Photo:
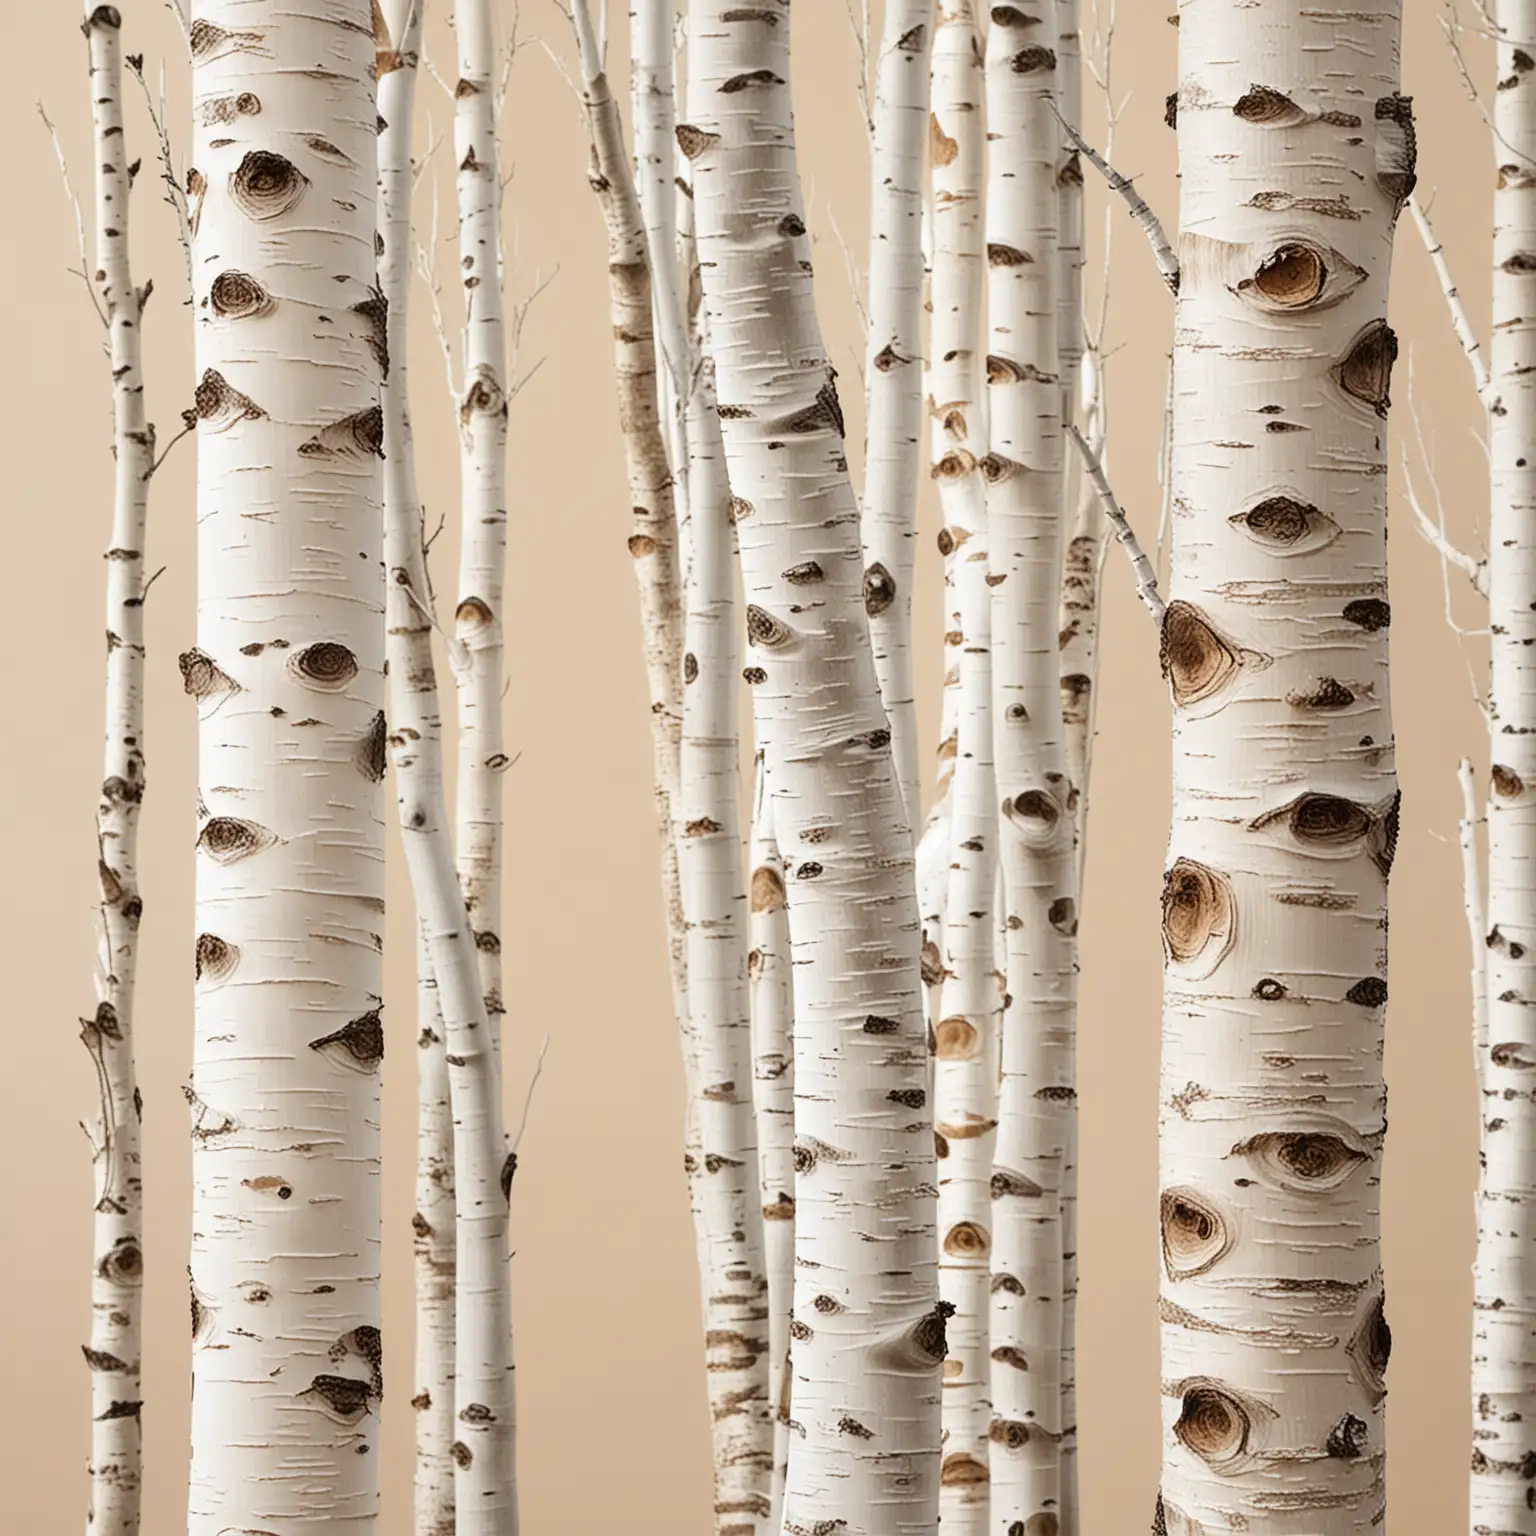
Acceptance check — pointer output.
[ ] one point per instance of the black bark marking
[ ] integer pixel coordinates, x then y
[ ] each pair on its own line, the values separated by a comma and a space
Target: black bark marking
266, 185
1196, 1236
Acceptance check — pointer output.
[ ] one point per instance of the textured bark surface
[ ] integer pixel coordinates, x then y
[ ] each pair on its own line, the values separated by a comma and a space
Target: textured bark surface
1036, 834
1504, 1328
117, 1254
893, 368
868, 1337
416, 746
288, 677
965, 1069
1296, 154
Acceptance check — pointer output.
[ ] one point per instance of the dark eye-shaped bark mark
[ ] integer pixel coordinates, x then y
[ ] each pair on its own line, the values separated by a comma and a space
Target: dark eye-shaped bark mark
122, 1263
1285, 526
1007, 256
472, 617
1330, 825
326, 666
1007, 1185
1303, 1162
956, 1039
740, 509
370, 755
1035, 60
375, 310
1197, 661
695, 141
1062, 916
357, 437
238, 296
879, 590
1368, 992
219, 405
1035, 813
207, 41
203, 678
226, 109
1370, 1348
266, 186
962, 1470
768, 894
1369, 613
1299, 275
341, 1398
1365, 371
810, 1150
1199, 915
367, 1344
1010, 1434
1328, 693
1397, 149
1266, 107
484, 397
1507, 784
358, 1045
806, 574
1196, 1236
463, 1457
1348, 1438
967, 1240
214, 959
1215, 1422
228, 839
765, 630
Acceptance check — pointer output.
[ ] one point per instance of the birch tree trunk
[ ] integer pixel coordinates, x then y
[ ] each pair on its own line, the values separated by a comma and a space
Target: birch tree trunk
117, 1255
1503, 1358
893, 369
416, 745
1024, 511
771, 994
965, 1085
1296, 153
288, 674
868, 1337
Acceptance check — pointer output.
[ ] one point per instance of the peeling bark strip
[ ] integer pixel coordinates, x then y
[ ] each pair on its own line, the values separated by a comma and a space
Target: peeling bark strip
698, 788
1503, 1374
290, 868
1024, 471
113, 1352
1275, 906
868, 1337
893, 371
965, 1069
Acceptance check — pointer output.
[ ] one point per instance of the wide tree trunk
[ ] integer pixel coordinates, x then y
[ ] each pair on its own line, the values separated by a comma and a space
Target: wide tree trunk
965, 1082
1296, 153
288, 675
1503, 1357
868, 1337
117, 1253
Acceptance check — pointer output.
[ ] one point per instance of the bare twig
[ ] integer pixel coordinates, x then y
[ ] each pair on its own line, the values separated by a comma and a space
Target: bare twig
83, 271
175, 187
1477, 921
1146, 577
1461, 322
533, 1082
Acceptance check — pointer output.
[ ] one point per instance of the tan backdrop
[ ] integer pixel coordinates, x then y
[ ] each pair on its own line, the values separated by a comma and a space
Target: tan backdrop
614, 1431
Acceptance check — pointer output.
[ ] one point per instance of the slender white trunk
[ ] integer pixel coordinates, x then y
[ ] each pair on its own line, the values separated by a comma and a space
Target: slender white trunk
288, 674
117, 1256
1024, 510
771, 993
868, 1336
965, 1083
894, 369
1503, 1359
1296, 154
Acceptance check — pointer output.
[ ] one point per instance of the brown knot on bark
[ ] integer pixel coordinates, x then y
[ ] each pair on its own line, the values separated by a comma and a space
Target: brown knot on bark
228, 839
1303, 1162
956, 1039
266, 185
1370, 613
1397, 148
1006, 1185
214, 958
1199, 914
1365, 371
202, 677
1195, 1234
219, 405
1370, 1348
238, 296
765, 630
1287, 526
326, 665
343, 1397
967, 1240
357, 437
358, 1044
1197, 661
1264, 106
1215, 1422
374, 310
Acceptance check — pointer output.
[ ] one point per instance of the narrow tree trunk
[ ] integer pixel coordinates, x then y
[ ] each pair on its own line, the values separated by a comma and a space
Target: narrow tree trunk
288, 674
893, 369
417, 747
965, 1084
1503, 1360
868, 1337
772, 1000
117, 1256
1296, 153
1024, 511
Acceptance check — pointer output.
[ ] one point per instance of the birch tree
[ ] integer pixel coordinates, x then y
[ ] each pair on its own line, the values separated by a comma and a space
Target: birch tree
287, 672
1296, 153
1025, 530
117, 1252
867, 1337
893, 368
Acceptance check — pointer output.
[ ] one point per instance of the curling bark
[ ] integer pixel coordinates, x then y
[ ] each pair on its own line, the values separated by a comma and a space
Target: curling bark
965, 1084
288, 675
117, 1254
894, 370
1285, 816
868, 1339
1024, 472
1503, 1362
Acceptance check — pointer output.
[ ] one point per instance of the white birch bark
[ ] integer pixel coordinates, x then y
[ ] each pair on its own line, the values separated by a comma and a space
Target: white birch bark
771, 995
868, 1328
483, 406
1024, 510
1503, 1357
1296, 154
117, 1254
893, 369
965, 1083
288, 674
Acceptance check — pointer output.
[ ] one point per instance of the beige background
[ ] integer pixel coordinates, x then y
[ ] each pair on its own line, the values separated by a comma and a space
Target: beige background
613, 1422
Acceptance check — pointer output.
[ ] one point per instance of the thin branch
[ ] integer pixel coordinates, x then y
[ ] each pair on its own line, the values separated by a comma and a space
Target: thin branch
188, 428
1146, 577
175, 188
1140, 211
1477, 920
858, 24
855, 286
83, 271
538, 1072
1461, 322
1434, 534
